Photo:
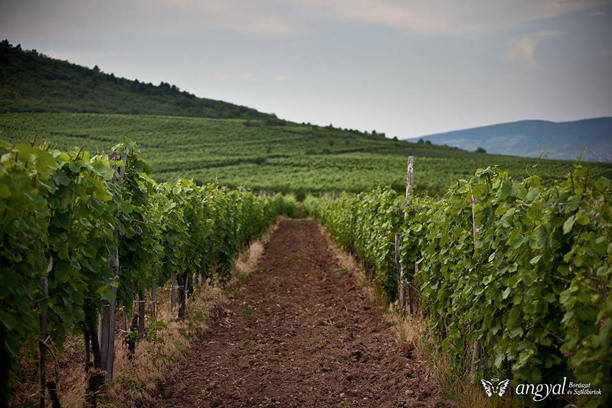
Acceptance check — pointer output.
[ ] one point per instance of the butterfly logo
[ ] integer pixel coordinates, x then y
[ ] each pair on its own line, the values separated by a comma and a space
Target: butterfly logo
495, 386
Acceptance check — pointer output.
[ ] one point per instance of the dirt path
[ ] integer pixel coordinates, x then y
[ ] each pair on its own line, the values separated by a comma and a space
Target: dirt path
299, 333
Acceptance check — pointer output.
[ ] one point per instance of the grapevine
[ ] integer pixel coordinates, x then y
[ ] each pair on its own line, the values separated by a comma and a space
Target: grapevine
532, 289
65, 215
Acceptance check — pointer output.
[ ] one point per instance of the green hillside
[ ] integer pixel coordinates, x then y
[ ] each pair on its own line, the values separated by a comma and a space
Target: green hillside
32, 82
44, 99
287, 157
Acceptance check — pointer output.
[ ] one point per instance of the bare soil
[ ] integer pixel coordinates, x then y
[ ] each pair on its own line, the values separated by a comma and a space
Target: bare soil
300, 332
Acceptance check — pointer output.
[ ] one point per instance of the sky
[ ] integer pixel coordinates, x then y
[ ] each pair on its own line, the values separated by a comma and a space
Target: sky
407, 68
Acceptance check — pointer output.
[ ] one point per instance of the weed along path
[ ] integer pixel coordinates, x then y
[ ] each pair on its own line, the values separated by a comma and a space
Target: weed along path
299, 332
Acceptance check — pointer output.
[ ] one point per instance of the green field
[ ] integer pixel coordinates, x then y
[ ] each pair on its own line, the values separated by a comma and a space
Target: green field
287, 157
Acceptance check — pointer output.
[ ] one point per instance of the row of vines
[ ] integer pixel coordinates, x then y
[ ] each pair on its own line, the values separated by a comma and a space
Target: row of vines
82, 235
510, 274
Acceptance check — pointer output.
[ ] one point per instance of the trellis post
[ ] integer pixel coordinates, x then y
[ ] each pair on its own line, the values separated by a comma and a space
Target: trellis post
141, 314
474, 233
403, 272
398, 268
153, 301
107, 319
173, 293
42, 349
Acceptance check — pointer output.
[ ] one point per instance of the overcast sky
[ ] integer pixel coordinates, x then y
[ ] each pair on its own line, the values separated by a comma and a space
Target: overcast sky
407, 68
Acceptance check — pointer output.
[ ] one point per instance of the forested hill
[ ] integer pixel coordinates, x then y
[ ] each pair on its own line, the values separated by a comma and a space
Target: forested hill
33, 82
589, 138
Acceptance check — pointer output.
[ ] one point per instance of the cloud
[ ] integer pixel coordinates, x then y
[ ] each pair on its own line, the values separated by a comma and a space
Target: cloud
221, 76
467, 17
247, 76
522, 49
241, 16
281, 77
273, 18
229, 77
606, 52
145, 17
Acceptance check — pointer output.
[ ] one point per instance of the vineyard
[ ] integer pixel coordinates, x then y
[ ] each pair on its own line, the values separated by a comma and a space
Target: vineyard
221, 256
504, 273
275, 156
84, 235
513, 277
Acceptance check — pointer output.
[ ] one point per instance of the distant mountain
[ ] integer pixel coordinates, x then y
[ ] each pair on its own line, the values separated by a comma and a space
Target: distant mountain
33, 82
531, 138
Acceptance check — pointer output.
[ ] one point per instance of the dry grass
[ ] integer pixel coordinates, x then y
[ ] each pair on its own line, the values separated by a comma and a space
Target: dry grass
410, 331
67, 372
157, 356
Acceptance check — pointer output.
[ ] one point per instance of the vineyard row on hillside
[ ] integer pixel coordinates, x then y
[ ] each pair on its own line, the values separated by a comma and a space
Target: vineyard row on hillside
82, 236
513, 277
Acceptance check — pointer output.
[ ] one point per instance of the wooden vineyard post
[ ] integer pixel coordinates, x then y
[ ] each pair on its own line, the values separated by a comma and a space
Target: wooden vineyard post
173, 294
416, 300
107, 319
474, 233
402, 285
141, 315
153, 301
189, 285
335, 195
474, 359
42, 349
124, 327
401, 294
182, 281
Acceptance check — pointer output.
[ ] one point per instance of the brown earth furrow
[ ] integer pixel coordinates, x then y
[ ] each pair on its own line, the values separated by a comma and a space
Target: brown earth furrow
299, 333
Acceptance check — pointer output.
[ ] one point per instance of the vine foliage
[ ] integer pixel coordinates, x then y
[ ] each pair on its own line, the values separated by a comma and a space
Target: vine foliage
532, 289
64, 215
